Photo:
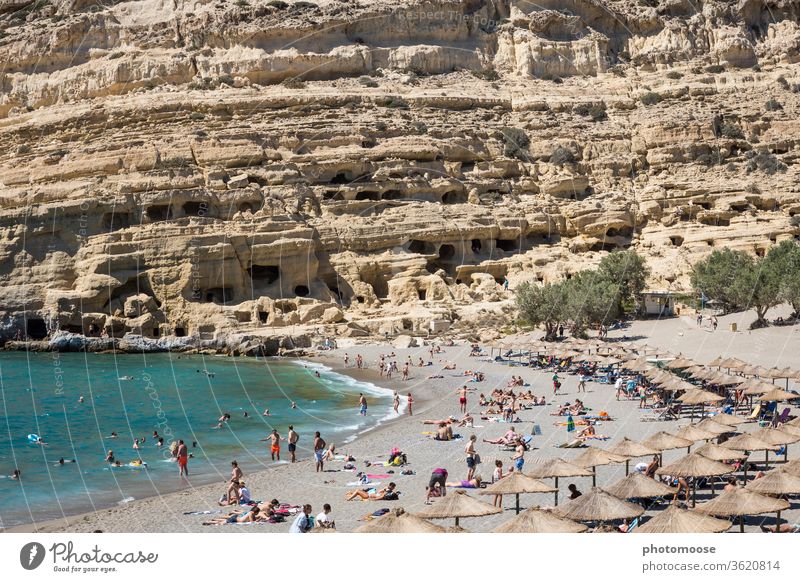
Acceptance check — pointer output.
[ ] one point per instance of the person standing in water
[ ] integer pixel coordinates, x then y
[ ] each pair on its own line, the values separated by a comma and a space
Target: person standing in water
396, 402
362, 403
410, 401
183, 458
292, 437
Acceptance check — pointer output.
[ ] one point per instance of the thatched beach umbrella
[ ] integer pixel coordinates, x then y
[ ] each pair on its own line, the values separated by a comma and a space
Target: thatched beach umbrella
638, 365
517, 483
792, 467
732, 363
631, 449
398, 521
458, 505
680, 363
740, 502
748, 442
716, 362
720, 453
664, 441
598, 505
694, 433
555, 468
536, 520
696, 396
637, 486
594, 457
725, 380
775, 436
755, 386
775, 482
777, 395
694, 465
676, 520
728, 419
714, 427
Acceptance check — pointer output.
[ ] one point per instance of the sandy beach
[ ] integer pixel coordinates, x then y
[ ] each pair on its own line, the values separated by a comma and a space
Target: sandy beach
437, 398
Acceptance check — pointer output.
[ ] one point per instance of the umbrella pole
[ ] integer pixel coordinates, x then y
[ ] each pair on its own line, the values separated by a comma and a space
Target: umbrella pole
694, 492
785, 453
556, 491
517, 503
778, 522
627, 466
766, 459
594, 476
741, 523
456, 522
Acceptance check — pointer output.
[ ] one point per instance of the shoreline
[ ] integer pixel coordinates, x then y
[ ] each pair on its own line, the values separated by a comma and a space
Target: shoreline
334, 365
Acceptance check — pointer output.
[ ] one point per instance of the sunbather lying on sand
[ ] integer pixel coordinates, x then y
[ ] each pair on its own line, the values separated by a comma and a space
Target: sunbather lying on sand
511, 436
474, 483
252, 515
387, 493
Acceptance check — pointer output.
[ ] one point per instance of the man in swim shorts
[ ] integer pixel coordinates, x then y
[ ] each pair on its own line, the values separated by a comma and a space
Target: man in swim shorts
319, 450
292, 437
519, 456
462, 399
362, 403
275, 444
183, 458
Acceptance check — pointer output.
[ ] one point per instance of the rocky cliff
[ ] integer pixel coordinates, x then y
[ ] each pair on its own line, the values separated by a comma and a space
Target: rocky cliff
196, 168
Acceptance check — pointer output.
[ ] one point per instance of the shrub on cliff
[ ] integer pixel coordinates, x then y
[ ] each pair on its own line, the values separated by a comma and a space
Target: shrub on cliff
731, 130
651, 98
561, 156
486, 74
515, 142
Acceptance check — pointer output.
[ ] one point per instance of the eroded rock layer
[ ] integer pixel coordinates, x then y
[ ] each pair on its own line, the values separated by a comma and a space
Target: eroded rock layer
198, 168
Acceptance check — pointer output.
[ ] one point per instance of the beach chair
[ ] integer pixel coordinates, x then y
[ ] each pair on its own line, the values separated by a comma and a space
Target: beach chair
671, 412
755, 414
632, 525
782, 417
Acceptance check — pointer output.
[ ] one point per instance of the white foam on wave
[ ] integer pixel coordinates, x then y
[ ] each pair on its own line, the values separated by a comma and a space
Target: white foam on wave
126, 500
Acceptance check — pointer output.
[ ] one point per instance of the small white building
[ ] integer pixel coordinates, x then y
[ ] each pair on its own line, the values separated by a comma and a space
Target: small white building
659, 303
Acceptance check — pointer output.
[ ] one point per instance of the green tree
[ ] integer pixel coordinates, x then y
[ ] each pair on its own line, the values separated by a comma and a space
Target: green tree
592, 300
629, 271
784, 262
543, 305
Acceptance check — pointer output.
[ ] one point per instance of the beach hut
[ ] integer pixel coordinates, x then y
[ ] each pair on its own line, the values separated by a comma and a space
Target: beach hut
594, 457
740, 502
517, 483
694, 465
398, 521
555, 468
638, 486
676, 520
598, 505
720, 453
631, 450
536, 520
458, 505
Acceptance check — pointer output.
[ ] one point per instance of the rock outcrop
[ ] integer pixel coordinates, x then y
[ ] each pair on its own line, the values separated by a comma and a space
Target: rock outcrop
200, 169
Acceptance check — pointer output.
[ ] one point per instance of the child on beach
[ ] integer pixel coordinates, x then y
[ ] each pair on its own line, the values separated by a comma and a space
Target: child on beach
410, 403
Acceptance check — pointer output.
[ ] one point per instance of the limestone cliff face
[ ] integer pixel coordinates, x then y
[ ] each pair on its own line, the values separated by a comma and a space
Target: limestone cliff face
194, 168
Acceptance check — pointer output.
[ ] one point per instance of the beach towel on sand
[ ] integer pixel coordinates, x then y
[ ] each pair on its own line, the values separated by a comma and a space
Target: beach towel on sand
383, 476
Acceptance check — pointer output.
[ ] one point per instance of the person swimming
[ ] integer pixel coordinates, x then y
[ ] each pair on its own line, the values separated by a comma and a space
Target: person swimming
63, 461
266, 412
80, 399
294, 405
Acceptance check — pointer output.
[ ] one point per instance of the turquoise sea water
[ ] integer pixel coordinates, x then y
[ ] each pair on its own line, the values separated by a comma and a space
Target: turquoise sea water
133, 395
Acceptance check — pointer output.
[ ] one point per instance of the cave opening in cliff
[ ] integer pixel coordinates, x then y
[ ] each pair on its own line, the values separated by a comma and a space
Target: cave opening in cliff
602, 246
421, 247
263, 316
159, 212
332, 195
676, 240
264, 274
476, 246
447, 252
246, 207
180, 332
219, 295
341, 178
454, 197
196, 209
35, 329
368, 195
508, 245
467, 167
116, 220
391, 195
302, 291
625, 231
421, 293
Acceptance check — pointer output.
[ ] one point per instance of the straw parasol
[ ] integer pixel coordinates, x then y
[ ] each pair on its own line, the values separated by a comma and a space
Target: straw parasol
792, 467
694, 465
631, 449
729, 419
748, 442
637, 486
517, 483
675, 384
775, 436
725, 380
536, 520
694, 433
555, 468
680, 363
753, 386
663, 441
720, 453
458, 505
594, 457
695, 396
741, 502
398, 521
716, 362
714, 427
775, 482
598, 505
732, 363
777, 395
638, 365
676, 520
